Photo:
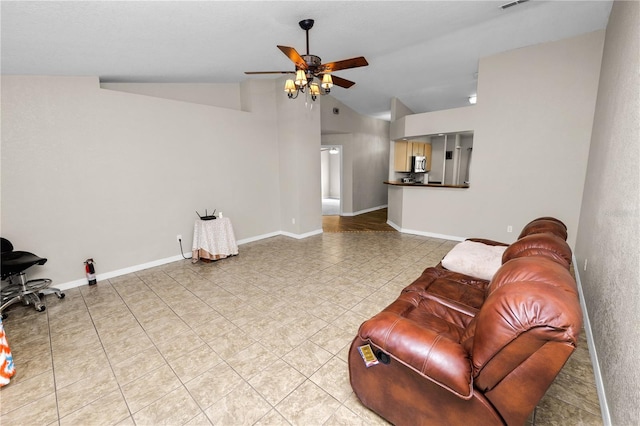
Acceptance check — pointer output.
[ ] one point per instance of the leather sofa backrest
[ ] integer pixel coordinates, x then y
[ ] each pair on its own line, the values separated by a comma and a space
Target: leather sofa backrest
540, 244
532, 302
533, 269
549, 218
545, 224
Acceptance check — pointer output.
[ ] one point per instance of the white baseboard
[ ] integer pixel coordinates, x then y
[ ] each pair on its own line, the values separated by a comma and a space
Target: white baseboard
372, 209
258, 238
135, 268
425, 234
123, 271
604, 407
301, 236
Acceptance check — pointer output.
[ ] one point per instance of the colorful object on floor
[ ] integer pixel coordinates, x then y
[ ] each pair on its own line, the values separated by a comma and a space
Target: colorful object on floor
7, 369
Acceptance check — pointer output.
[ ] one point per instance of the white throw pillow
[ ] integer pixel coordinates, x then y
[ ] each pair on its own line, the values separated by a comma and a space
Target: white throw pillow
474, 259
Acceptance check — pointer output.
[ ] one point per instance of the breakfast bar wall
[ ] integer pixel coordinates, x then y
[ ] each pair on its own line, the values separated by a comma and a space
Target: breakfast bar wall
532, 129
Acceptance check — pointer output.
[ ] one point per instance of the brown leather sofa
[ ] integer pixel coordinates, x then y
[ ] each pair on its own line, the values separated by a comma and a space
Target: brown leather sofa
458, 350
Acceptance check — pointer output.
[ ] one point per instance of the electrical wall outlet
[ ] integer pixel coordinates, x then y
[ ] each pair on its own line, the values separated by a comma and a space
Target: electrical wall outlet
179, 237
509, 228
293, 220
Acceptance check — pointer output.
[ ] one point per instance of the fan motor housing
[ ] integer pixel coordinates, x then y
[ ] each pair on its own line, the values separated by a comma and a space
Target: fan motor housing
312, 61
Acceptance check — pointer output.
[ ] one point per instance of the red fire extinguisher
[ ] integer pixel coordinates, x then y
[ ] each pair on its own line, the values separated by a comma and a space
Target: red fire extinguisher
91, 271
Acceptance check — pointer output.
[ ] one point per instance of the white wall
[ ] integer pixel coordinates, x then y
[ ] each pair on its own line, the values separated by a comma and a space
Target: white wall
432, 123
220, 95
334, 172
437, 156
532, 128
299, 165
325, 175
347, 176
399, 110
88, 172
330, 175
365, 155
609, 231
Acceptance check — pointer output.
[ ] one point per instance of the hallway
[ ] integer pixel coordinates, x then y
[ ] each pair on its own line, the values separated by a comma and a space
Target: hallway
375, 221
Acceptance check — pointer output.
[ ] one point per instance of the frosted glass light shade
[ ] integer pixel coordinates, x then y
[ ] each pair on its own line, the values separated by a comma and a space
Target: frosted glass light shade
301, 78
327, 81
289, 86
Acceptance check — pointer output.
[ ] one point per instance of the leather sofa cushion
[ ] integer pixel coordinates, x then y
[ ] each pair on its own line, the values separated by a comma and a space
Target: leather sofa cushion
411, 334
453, 290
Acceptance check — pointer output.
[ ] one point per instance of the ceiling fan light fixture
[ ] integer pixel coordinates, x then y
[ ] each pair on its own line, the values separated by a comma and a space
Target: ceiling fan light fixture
301, 78
311, 73
314, 90
290, 87
327, 82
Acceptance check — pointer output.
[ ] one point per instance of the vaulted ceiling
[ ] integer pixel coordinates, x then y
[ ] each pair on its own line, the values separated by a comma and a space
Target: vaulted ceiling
425, 53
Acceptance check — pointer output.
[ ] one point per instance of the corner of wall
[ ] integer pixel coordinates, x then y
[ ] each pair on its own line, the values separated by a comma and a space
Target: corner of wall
593, 353
399, 110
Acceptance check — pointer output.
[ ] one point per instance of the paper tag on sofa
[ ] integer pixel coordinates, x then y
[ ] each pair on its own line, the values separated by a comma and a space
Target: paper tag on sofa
367, 355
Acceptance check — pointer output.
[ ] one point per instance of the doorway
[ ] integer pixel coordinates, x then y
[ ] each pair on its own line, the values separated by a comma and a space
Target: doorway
331, 179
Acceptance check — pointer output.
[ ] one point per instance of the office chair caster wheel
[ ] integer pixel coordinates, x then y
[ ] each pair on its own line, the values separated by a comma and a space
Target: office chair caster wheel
60, 295
41, 308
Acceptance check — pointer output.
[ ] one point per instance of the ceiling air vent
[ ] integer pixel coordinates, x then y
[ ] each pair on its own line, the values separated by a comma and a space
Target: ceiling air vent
513, 3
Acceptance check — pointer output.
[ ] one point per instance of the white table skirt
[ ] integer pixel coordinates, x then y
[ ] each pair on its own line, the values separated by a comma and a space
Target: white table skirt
213, 239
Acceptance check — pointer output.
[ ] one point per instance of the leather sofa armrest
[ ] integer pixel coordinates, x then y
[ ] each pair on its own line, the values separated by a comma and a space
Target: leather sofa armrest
430, 354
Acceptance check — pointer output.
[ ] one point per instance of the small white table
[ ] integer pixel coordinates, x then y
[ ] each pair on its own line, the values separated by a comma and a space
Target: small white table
213, 240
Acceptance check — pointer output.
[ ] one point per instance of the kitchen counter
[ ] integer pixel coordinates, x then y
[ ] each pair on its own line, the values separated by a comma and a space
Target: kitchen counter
428, 185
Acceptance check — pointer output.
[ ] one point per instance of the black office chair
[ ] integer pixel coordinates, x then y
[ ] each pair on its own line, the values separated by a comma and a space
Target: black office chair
15, 286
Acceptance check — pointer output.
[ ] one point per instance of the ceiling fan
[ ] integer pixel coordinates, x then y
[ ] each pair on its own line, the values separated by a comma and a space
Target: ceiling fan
308, 67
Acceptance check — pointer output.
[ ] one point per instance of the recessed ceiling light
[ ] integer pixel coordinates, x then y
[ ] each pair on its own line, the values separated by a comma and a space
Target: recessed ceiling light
473, 99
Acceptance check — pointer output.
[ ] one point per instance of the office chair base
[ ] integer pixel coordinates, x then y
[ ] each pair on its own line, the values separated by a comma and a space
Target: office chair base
28, 292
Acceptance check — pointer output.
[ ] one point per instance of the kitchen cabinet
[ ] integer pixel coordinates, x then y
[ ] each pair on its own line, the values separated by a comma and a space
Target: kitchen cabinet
417, 148
404, 150
401, 163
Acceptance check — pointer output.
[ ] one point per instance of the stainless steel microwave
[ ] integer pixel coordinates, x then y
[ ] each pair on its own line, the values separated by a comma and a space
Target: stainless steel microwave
418, 164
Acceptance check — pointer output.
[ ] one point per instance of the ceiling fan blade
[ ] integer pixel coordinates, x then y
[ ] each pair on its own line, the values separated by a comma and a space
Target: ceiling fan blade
360, 61
294, 56
269, 72
341, 82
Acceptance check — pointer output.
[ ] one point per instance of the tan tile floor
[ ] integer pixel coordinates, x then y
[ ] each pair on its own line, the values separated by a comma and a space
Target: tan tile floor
261, 338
